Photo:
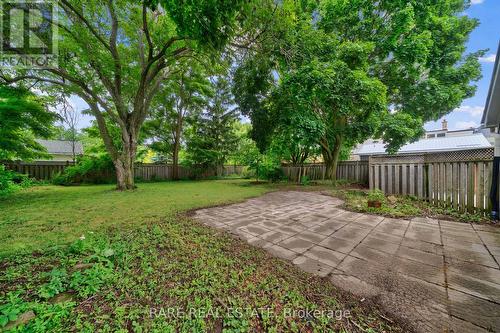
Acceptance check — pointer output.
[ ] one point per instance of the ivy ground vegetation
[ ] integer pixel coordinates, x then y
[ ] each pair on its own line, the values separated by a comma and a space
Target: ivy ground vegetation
92, 259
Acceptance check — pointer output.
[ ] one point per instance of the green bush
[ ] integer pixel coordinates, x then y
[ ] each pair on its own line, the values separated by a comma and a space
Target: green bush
305, 181
11, 181
269, 170
248, 173
376, 195
89, 170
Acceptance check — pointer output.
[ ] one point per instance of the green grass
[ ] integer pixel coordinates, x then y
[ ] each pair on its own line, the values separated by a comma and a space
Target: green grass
51, 215
140, 257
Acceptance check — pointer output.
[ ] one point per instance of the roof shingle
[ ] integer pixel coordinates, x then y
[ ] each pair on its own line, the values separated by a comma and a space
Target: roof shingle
60, 147
451, 143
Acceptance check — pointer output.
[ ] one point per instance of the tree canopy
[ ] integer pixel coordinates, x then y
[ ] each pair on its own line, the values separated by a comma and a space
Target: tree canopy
213, 136
23, 117
312, 76
380, 68
115, 55
177, 104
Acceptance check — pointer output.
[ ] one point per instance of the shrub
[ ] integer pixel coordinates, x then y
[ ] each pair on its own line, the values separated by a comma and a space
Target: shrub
272, 173
11, 181
269, 169
376, 195
88, 169
305, 181
248, 173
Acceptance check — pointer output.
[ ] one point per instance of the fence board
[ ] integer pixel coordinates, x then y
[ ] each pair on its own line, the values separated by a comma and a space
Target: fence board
449, 181
377, 176
412, 179
430, 182
420, 180
455, 184
397, 189
404, 179
470, 187
480, 187
488, 168
463, 185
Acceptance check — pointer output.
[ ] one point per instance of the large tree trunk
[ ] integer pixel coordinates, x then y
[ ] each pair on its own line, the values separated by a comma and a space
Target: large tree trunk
331, 169
124, 174
331, 158
175, 152
175, 161
124, 163
219, 169
178, 134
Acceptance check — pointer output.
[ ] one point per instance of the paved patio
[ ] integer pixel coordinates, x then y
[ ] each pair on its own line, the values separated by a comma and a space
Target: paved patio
437, 275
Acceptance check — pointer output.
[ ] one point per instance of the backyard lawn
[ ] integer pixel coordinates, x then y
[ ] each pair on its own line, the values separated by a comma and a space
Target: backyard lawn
52, 215
89, 258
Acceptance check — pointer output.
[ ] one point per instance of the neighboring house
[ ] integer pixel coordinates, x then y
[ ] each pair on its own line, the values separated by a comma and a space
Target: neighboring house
433, 145
61, 150
445, 132
491, 122
432, 141
440, 140
491, 114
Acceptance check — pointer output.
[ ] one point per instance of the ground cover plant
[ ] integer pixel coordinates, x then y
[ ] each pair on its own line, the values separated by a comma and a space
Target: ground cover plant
356, 198
11, 181
123, 265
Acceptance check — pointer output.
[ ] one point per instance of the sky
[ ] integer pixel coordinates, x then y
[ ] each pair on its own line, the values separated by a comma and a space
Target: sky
486, 36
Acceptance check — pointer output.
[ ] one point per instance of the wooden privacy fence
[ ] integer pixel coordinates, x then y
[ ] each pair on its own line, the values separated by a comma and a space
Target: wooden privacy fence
165, 171
348, 170
45, 170
458, 180
42, 170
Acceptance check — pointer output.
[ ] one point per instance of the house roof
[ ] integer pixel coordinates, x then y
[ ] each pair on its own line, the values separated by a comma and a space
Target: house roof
60, 147
491, 114
452, 143
454, 131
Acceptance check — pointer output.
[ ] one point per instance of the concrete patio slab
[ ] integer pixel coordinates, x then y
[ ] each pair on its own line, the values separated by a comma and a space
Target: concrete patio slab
438, 276
312, 266
324, 255
338, 244
296, 244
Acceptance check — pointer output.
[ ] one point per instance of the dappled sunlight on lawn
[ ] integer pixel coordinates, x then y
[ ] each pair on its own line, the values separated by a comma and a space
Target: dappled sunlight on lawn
52, 215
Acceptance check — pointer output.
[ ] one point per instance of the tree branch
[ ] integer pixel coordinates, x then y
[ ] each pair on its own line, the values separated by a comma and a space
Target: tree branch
82, 19
103, 129
31, 77
113, 47
145, 27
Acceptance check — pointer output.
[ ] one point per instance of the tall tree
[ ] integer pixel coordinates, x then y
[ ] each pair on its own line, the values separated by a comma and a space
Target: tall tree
245, 151
342, 104
415, 49
176, 103
116, 53
419, 55
213, 136
252, 85
23, 118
